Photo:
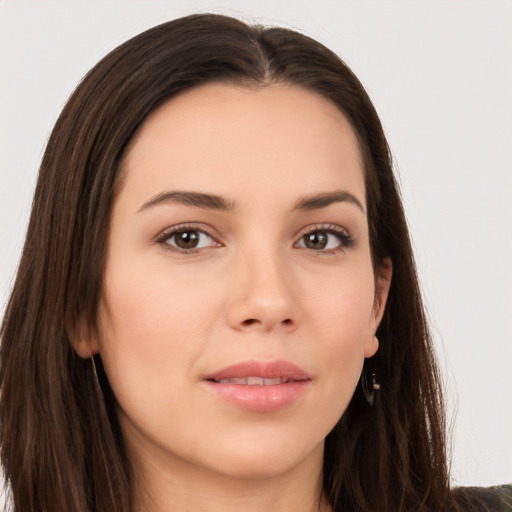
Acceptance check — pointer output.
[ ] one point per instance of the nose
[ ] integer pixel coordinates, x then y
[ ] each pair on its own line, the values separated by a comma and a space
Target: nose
264, 297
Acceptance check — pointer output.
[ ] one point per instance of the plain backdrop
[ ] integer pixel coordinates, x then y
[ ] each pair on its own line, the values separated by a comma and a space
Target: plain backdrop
440, 74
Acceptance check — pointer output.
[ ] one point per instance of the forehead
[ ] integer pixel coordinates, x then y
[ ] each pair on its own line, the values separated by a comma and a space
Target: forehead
219, 138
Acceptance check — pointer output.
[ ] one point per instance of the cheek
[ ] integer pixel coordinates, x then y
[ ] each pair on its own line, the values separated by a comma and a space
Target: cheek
150, 332
154, 308
340, 316
341, 307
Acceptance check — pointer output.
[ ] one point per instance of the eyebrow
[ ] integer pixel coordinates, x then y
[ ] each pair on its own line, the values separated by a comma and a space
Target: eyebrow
322, 200
220, 203
196, 199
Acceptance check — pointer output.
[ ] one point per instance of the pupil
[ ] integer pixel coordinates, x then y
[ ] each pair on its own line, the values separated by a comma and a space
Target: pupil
316, 240
187, 239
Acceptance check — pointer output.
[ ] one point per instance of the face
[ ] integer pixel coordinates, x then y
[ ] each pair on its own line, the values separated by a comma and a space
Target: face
239, 295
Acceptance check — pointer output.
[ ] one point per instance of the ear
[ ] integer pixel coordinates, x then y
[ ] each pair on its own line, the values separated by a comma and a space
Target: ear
83, 339
383, 273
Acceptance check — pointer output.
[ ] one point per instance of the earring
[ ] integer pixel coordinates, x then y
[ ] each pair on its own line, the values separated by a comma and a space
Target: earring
96, 379
369, 392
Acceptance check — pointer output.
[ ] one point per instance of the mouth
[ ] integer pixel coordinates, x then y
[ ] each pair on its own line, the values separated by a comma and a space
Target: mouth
262, 373
259, 386
254, 381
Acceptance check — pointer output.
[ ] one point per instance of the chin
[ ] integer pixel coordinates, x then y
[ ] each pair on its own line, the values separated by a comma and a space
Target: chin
263, 460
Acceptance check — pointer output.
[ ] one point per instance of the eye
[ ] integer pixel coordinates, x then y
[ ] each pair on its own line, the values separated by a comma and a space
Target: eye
186, 239
324, 239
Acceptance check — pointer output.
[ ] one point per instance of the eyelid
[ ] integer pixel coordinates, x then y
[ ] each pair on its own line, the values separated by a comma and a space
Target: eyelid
168, 232
346, 239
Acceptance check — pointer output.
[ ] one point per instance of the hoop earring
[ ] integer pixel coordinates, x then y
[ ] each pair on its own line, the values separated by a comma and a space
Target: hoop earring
96, 379
369, 394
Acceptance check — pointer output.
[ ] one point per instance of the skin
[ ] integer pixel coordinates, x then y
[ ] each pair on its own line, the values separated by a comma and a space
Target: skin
252, 289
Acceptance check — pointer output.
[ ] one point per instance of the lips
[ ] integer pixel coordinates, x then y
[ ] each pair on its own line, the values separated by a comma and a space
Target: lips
278, 369
259, 386
253, 381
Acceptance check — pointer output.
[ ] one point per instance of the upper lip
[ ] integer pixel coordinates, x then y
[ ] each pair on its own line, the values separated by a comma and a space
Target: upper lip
266, 369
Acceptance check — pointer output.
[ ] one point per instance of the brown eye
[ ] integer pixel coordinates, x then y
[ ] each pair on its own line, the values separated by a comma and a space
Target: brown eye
330, 239
187, 239
317, 240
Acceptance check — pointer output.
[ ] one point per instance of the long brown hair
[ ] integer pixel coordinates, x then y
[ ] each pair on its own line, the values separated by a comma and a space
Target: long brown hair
61, 445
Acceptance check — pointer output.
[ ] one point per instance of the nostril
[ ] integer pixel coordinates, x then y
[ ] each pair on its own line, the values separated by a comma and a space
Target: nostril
266, 323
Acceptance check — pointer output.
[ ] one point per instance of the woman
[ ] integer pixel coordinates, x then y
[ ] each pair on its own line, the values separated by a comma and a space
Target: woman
217, 305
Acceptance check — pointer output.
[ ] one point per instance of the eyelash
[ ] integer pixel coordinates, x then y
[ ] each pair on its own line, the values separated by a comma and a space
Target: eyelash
345, 239
184, 228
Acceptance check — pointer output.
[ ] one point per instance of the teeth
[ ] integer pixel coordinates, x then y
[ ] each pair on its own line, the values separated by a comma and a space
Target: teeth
254, 381
272, 382
233, 381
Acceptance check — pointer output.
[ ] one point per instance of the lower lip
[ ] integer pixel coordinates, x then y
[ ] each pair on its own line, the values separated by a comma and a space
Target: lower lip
260, 398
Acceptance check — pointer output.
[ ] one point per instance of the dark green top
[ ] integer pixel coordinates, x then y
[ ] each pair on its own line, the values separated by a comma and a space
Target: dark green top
492, 499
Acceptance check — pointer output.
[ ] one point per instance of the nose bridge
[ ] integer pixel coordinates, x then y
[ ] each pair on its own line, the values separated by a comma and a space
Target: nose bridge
263, 294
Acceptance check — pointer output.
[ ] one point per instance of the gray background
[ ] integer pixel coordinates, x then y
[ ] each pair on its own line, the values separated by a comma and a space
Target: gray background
440, 74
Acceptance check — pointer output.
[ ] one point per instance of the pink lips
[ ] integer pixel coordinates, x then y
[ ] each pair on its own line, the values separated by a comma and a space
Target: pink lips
260, 386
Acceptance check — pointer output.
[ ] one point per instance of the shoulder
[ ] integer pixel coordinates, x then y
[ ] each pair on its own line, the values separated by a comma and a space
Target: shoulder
485, 499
